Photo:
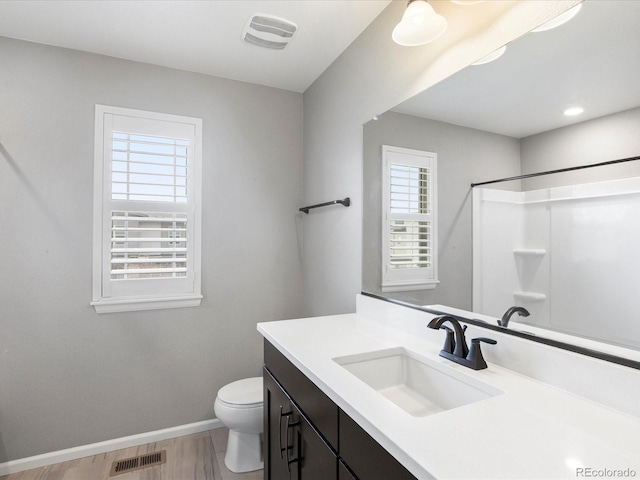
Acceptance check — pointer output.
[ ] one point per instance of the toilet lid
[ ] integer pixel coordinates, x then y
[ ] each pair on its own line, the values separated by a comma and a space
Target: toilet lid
247, 391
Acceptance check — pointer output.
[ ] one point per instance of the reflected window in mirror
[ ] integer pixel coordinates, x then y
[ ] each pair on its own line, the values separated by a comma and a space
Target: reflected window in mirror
409, 229
499, 121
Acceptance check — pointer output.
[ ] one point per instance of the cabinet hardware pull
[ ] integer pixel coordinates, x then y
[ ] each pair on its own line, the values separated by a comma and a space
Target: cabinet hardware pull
288, 460
282, 415
299, 458
290, 447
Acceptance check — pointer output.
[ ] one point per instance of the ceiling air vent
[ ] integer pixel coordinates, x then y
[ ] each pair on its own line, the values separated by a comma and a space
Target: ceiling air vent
269, 31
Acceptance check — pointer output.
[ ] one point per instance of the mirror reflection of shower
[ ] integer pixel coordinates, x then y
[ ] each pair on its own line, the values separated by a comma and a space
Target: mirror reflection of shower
568, 254
498, 120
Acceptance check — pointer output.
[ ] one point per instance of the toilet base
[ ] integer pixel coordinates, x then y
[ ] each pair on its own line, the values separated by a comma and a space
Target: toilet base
244, 452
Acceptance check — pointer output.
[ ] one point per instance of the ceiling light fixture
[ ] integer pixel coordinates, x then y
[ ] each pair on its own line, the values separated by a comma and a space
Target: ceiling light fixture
559, 20
420, 24
570, 112
492, 56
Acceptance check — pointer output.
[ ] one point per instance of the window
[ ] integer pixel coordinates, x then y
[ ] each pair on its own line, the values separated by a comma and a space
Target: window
409, 227
146, 210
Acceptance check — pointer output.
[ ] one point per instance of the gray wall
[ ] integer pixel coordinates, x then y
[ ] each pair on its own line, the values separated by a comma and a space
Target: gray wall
70, 377
370, 77
606, 138
465, 155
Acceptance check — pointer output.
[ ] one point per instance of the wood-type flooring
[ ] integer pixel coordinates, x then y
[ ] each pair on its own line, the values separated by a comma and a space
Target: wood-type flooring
193, 457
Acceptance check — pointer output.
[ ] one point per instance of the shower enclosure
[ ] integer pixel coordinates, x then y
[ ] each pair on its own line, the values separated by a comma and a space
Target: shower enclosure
570, 255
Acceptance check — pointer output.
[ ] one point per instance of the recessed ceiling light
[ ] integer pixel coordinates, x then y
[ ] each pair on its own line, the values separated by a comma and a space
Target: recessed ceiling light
570, 112
559, 20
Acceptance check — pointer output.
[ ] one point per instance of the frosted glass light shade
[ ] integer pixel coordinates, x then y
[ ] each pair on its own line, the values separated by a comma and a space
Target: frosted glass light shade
492, 56
420, 24
559, 20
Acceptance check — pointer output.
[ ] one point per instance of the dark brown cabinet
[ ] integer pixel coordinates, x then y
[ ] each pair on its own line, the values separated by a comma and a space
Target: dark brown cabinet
365, 457
293, 450
275, 450
314, 459
307, 437
343, 472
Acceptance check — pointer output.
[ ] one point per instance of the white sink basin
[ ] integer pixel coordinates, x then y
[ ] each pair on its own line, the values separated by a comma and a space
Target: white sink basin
417, 384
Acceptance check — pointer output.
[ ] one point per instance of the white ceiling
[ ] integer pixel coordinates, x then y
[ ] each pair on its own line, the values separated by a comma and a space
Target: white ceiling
592, 61
202, 36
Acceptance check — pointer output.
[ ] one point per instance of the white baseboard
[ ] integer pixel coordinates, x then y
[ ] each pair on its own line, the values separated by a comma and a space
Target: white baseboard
74, 453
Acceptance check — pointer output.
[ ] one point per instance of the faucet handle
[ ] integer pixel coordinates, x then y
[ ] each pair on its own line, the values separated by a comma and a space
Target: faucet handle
461, 348
449, 342
475, 358
490, 341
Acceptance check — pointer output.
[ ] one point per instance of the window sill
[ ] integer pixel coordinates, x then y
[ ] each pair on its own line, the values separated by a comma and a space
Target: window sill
139, 304
402, 287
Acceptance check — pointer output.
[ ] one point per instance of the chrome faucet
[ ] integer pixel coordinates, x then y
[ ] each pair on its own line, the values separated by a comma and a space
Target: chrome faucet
504, 321
455, 345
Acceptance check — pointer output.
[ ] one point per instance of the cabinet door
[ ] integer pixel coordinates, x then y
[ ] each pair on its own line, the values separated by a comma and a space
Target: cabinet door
319, 409
293, 450
277, 413
365, 457
344, 473
315, 460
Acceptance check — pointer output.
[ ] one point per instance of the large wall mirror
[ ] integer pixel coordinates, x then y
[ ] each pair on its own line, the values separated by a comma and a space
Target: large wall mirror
565, 246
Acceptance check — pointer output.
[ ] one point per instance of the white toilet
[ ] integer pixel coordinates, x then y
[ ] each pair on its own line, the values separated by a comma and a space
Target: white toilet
239, 407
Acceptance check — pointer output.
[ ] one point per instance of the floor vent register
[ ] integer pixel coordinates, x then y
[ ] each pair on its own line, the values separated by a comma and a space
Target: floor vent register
137, 463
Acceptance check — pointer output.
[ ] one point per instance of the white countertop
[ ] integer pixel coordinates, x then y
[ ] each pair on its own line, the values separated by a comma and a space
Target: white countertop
532, 431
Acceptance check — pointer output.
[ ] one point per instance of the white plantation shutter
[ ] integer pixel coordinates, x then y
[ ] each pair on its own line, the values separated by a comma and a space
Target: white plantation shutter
409, 226
409, 187
148, 245
409, 193
145, 167
410, 244
149, 225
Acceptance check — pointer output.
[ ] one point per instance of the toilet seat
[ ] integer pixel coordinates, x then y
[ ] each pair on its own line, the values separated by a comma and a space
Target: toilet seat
245, 393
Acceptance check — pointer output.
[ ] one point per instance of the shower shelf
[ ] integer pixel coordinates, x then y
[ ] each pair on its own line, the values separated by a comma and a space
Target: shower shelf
530, 252
530, 296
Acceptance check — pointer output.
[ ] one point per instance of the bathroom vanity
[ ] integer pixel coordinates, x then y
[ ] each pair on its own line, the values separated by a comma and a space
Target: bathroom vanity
329, 415
308, 436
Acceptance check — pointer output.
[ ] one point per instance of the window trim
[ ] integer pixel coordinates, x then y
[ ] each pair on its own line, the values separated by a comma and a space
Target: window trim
153, 301
400, 280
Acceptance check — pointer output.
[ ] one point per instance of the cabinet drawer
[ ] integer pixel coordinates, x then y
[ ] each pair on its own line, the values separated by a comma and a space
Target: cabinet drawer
314, 403
365, 457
